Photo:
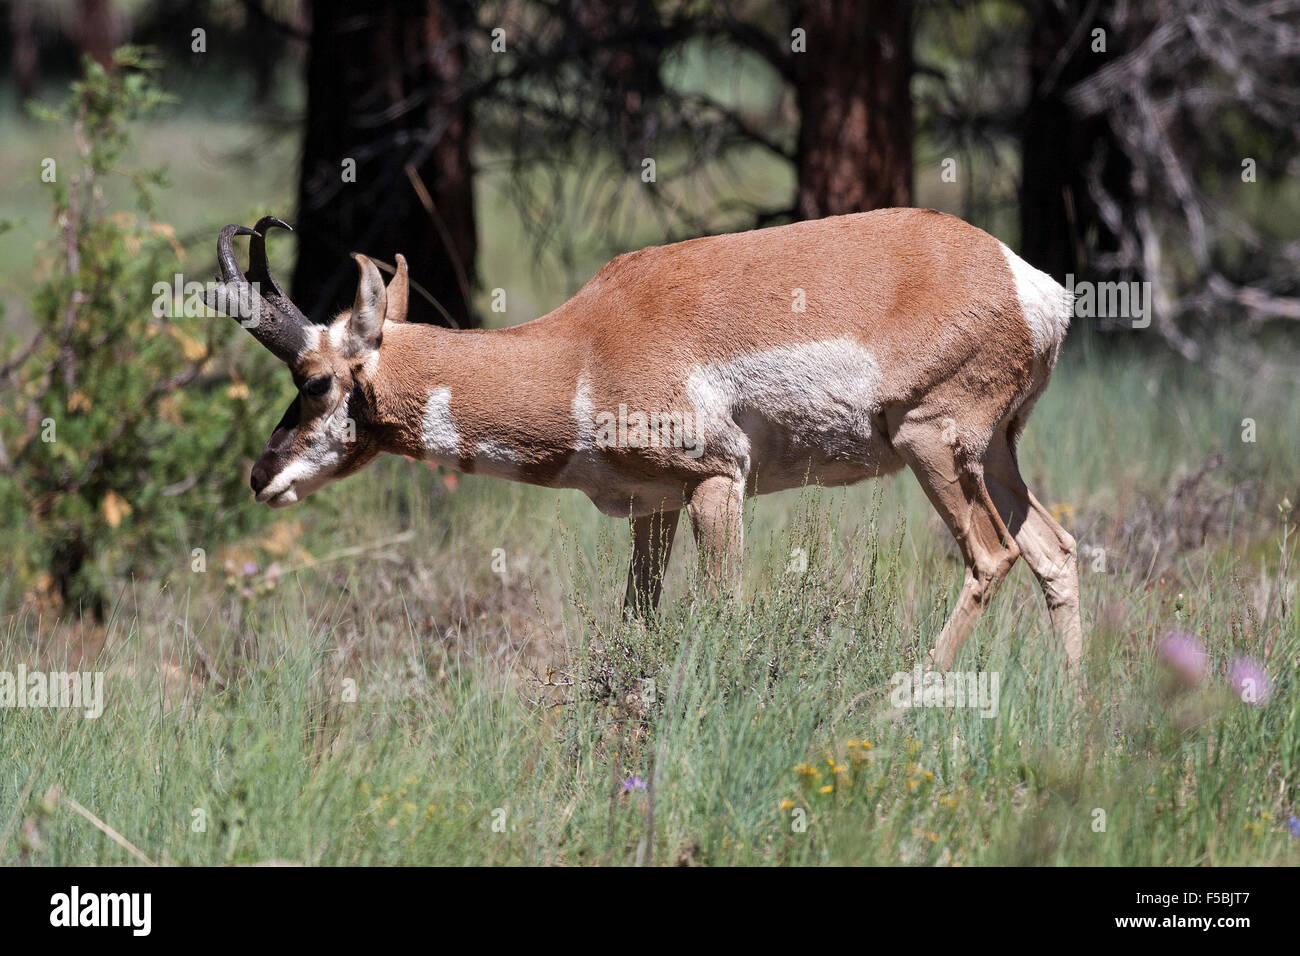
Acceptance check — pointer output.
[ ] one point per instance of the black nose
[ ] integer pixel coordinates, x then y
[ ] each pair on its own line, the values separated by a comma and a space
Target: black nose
258, 479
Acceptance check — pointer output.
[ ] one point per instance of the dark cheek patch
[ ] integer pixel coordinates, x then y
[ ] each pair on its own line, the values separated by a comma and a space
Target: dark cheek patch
360, 452
289, 441
282, 440
289, 421
358, 406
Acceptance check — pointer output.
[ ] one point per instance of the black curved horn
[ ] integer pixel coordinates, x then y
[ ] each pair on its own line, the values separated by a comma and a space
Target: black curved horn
254, 299
226, 255
259, 269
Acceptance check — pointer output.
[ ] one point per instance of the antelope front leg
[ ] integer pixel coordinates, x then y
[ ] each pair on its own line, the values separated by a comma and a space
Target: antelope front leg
715, 507
652, 544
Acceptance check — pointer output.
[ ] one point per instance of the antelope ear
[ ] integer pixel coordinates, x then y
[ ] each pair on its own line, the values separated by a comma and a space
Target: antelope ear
397, 292
366, 325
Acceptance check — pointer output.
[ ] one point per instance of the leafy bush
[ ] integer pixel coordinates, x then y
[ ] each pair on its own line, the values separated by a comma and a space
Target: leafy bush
122, 437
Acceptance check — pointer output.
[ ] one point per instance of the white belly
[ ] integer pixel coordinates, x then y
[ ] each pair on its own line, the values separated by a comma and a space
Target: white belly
796, 415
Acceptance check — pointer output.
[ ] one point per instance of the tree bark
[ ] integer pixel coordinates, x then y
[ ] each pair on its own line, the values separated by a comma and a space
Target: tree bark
97, 30
855, 105
27, 62
1059, 219
382, 80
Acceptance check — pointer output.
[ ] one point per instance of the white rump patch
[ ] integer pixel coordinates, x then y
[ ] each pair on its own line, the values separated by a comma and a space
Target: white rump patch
1044, 303
439, 435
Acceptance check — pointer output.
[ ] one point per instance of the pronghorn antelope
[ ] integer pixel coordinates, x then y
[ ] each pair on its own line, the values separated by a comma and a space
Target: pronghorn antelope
827, 351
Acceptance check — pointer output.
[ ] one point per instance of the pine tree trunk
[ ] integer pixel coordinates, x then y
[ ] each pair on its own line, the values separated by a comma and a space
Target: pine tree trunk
382, 83
97, 30
27, 62
1059, 219
855, 104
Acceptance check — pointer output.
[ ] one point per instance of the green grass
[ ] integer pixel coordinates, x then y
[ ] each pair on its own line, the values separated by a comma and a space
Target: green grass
465, 713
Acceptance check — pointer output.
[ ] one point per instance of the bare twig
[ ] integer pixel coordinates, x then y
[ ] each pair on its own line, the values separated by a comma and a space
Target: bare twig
353, 552
205, 662
60, 797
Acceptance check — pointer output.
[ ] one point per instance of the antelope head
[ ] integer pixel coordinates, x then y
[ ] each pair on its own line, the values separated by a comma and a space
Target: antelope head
323, 435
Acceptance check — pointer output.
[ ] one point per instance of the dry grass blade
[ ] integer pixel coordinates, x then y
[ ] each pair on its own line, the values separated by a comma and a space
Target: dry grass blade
61, 797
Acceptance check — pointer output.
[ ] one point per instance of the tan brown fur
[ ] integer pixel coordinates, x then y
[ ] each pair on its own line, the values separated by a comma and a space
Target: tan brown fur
930, 307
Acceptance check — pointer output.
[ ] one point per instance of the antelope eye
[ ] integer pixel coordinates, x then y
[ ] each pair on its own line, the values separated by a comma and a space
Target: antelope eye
316, 387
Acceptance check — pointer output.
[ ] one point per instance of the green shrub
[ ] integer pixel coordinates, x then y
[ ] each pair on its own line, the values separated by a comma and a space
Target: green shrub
121, 439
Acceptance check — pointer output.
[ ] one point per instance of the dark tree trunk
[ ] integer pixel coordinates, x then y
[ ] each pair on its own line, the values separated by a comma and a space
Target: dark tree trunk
27, 63
855, 106
382, 81
97, 30
1059, 219
67, 562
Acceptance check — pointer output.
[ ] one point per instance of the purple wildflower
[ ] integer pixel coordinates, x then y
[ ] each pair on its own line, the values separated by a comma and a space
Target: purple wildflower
633, 783
1249, 681
1185, 656
1294, 824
